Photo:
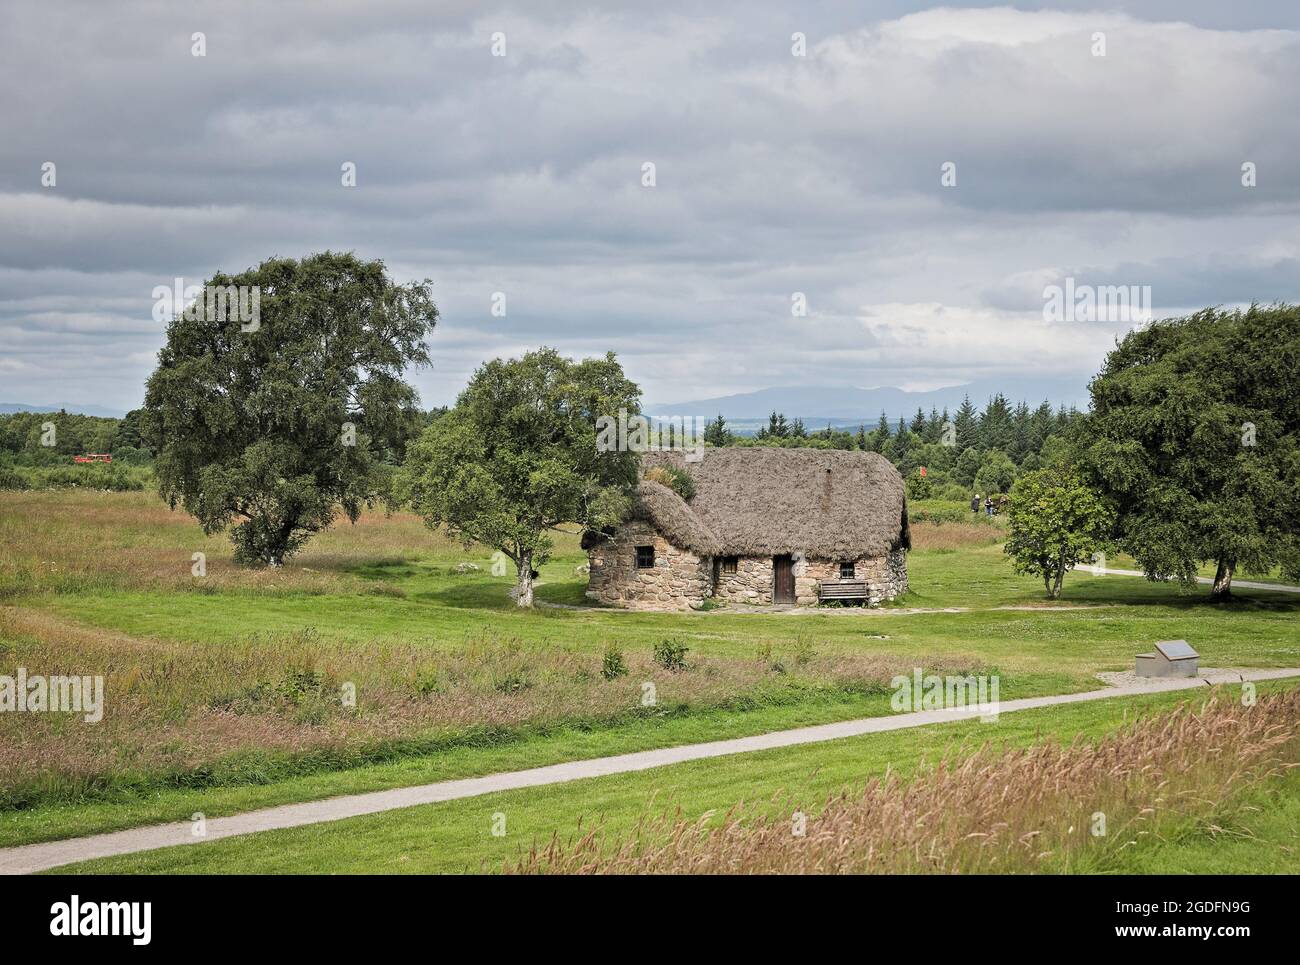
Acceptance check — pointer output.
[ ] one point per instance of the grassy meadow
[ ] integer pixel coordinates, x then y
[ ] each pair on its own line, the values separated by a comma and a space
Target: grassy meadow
223, 690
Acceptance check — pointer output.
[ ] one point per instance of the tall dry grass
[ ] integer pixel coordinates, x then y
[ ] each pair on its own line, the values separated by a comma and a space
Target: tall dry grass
950, 535
272, 705
77, 541
992, 811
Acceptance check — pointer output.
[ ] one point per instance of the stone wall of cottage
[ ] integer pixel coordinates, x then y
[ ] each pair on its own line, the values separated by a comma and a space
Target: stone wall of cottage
895, 576
678, 580
886, 578
751, 583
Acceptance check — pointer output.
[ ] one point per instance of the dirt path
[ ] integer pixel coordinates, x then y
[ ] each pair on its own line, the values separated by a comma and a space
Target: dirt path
38, 857
1244, 584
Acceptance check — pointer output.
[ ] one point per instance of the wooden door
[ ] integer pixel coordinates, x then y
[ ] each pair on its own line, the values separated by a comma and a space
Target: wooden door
782, 579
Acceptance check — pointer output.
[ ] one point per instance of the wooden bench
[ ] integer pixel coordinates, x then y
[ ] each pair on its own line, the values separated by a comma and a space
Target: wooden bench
842, 590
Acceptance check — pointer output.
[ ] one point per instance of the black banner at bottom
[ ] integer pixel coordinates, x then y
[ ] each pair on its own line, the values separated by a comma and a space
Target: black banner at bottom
337, 915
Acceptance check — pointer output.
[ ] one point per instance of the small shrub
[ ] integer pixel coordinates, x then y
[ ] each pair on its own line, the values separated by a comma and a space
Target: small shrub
803, 651
12, 479
613, 665
919, 487
428, 682
952, 493
766, 658
670, 654
682, 483
659, 474
299, 686
513, 682
678, 480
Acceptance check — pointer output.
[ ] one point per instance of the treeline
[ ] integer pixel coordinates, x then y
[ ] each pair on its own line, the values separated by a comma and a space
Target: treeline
26, 438
962, 452
52, 438
37, 451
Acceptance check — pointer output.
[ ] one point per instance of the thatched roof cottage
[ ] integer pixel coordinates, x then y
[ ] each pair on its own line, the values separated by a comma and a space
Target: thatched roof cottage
765, 526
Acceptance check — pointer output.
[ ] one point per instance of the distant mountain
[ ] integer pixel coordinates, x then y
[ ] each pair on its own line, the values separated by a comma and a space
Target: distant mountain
70, 408
848, 405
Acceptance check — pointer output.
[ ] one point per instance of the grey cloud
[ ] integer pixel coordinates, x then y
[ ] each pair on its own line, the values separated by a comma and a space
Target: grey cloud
521, 174
1226, 278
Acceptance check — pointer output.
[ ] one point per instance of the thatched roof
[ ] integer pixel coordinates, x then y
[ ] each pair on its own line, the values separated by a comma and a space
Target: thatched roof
766, 501
668, 513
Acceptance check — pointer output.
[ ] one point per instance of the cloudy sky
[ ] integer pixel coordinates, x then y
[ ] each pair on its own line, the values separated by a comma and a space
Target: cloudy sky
774, 174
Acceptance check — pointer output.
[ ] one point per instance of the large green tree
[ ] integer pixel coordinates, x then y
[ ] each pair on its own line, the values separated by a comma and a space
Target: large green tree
968, 466
996, 429
280, 422
966, 422
1055, 523
517, 457
1195, 435
996, 473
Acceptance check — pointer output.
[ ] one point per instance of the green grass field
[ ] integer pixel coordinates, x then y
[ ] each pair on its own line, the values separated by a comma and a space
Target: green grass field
222, 688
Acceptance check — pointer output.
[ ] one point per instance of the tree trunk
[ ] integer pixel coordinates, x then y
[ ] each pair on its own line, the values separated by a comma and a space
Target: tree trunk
1055, 593
275, 552
523, 593
1223, 580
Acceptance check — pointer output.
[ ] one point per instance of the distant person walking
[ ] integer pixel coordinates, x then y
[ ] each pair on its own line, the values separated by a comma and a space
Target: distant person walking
988, 505
975, 504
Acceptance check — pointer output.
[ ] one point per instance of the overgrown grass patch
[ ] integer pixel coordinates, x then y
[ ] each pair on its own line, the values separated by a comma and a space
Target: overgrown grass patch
272, 706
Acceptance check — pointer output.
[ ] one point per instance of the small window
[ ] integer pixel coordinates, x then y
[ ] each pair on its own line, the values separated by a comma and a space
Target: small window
729, 564
645, 557
846, 571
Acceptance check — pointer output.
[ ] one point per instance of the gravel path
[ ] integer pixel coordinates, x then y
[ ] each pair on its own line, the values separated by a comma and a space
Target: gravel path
38, 857
1244, 584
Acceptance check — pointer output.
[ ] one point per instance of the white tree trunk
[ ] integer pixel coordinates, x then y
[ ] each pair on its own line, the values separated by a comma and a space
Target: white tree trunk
1223, 579
523, 592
